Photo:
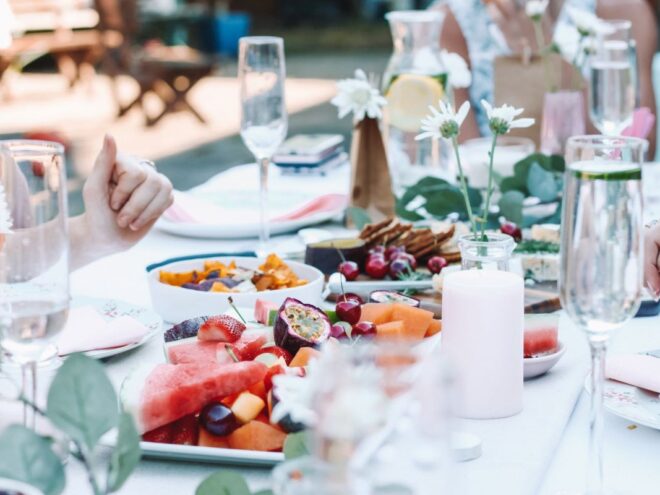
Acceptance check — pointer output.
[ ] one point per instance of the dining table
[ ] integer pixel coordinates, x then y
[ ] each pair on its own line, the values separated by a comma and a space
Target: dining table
540, 451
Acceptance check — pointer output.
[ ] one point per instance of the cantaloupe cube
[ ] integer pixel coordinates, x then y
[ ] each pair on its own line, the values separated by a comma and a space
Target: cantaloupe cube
391, 330
256, 435
377, 313
415, 320
434, 327
303, 357
207, 439
247, 407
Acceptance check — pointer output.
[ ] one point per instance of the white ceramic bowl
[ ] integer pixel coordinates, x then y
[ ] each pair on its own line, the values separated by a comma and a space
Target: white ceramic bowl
538, 366
175, 304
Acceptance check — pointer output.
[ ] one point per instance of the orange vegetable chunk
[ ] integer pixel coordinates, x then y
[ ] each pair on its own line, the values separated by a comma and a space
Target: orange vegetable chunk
391, 330
303, 357
256, 435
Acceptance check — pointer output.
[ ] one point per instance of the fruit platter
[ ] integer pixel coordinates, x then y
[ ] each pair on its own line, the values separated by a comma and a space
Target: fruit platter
213, 396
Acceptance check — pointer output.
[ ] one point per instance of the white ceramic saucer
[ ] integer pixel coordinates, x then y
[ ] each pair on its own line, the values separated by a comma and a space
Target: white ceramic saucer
538, 366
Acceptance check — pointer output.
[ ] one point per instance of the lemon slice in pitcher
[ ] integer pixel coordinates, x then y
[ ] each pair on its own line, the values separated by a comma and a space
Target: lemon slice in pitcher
408, 100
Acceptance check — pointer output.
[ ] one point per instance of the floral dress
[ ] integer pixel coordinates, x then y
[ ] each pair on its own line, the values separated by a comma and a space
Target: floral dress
486, 44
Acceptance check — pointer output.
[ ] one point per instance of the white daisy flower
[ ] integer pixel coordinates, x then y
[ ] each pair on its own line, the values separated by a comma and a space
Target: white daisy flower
502, 119
360, 97
536, 8
443, 122
457, 69
587, 23
6, 223
295, 396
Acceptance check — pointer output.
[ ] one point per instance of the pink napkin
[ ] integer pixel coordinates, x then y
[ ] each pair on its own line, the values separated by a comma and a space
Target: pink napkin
87, 330
638, 370
642, 123
188, 209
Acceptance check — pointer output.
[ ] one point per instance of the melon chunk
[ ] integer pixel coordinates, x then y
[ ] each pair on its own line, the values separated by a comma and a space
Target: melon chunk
207, 439
434, 328
377, 313
391, 330
415, 320
541, 335
303, 357
247, 407
169, 392
256, 435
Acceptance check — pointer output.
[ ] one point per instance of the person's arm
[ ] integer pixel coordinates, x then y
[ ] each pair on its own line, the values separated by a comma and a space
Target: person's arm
645, 33
452, 40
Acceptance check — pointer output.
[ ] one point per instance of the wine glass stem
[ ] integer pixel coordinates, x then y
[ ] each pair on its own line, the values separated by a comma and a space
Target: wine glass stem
264, 231
595, 459
29, 385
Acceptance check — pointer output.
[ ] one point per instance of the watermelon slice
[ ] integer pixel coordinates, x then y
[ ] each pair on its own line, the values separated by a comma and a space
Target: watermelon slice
191, 351
262, 311
541, 335
161, 395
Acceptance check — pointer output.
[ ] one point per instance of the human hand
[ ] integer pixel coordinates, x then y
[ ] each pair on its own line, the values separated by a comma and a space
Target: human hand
651, 259
123, 199
516, 26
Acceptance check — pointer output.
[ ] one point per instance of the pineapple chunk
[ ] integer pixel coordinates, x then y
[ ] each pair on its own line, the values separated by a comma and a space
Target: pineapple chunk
247, 407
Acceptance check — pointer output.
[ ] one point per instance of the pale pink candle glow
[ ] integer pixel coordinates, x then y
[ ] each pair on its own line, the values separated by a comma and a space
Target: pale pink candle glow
482, 336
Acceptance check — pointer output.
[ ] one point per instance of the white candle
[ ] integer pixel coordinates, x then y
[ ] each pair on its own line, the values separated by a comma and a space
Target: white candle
482, 337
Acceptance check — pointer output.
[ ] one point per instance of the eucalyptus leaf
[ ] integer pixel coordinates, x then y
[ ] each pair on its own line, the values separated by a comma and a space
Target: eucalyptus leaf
223, 483
402, 204
542, 183
27, 457
296, 445
446, 201
82, 401
358, 216
264, 492
511, 206
126, 454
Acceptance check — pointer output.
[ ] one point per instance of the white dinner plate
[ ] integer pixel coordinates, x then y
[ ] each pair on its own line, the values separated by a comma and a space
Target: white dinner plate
110, 309
630, 402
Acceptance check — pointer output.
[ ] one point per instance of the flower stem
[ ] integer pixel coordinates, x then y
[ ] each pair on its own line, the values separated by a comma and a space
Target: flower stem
540, 41
464, 188
489, 190
576, 66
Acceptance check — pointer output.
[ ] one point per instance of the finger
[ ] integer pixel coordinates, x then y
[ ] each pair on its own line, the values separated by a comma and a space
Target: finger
139, 200
507, 8
104, 165
651, 275
154, 210
128, 180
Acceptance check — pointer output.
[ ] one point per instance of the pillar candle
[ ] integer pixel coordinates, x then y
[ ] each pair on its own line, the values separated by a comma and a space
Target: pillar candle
482, 337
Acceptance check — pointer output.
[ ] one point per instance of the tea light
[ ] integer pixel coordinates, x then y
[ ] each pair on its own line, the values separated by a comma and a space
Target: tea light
482, 337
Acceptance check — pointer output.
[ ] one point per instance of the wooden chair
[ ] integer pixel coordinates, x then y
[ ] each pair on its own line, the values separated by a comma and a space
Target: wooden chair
168, 72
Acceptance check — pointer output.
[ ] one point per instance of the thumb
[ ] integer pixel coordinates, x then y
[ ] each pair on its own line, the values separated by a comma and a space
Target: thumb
105, 163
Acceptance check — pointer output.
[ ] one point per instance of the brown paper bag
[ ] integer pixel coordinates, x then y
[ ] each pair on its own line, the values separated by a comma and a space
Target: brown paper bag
371, 185
523, 84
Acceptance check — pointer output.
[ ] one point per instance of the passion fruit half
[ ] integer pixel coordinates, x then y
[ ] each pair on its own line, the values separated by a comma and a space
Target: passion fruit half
300, 325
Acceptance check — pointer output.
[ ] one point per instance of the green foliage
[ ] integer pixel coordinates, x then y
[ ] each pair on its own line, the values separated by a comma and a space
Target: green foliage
28, 457
511, 206
435, 197
126, 454
224, 483
358, 216
296, 445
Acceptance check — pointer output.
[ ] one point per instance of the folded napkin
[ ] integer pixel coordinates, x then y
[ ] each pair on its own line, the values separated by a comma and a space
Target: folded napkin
87, 330
642, 123
639, 370
189, 209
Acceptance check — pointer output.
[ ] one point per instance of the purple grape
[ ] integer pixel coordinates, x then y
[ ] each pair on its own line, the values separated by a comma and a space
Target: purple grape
218, 419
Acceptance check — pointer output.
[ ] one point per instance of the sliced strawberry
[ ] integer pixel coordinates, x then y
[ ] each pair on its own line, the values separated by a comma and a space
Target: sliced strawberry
277, 351
186, 430
227, 354
164, 434
221, 328
258, 389
249, 346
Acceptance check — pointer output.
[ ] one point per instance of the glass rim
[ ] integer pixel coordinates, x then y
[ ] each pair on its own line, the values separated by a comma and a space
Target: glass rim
414, 15
600, 141
495, 239
30, 146
261, 40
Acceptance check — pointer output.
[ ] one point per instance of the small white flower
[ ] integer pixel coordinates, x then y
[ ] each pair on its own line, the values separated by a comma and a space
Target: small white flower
459, 75
360, 97
295, 396
502, 119
443, 123
536, 8
587, 23
5, 214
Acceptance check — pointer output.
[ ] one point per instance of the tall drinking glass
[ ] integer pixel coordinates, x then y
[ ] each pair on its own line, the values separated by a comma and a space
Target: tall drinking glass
614, 92
262, 73
602, 255
34, 261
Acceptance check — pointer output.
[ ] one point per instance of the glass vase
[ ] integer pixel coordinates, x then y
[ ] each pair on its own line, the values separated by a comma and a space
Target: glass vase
563, 117
493, 253
415, 78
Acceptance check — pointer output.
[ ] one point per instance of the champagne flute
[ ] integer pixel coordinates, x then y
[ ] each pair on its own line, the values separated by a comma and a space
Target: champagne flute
261, 73
34, 256
602, 255
614, 92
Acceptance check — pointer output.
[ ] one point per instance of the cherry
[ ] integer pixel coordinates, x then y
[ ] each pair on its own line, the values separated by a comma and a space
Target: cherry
350, 296
511, 229
412, 261
399, 267
218, 419
364, 329
392, 250
380, 249
349, 269
349, 311
339, 330
377, 268
435, 264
